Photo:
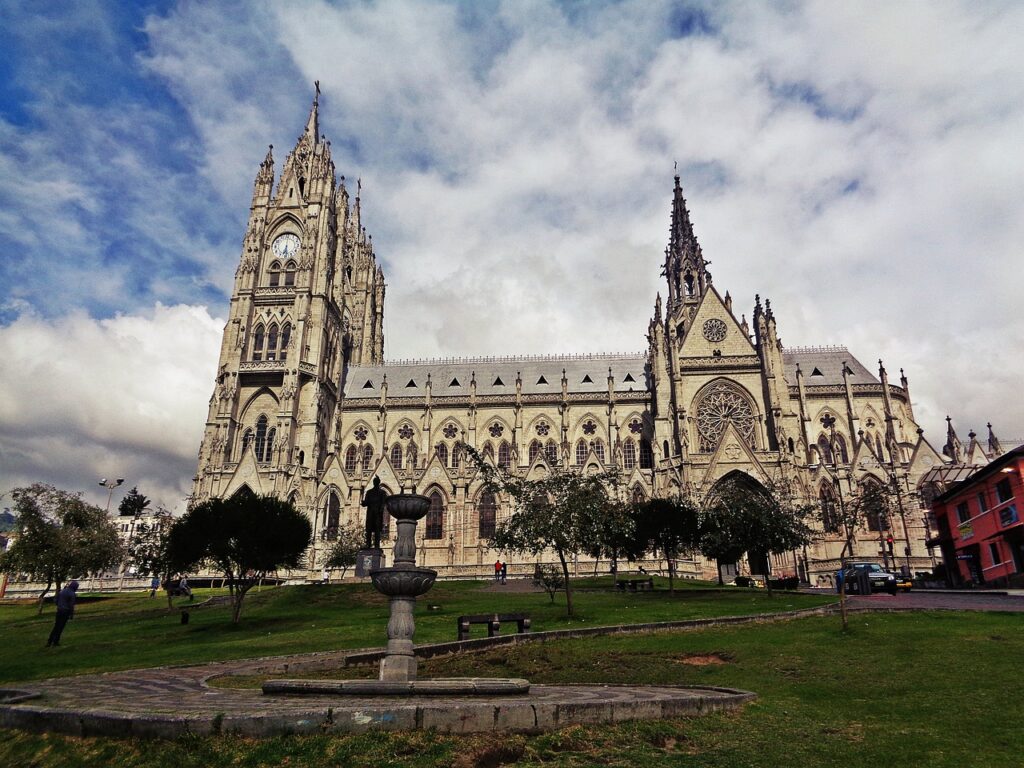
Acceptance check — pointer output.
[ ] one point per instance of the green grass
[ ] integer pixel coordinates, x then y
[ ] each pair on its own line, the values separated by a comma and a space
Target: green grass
132, 631
899, 689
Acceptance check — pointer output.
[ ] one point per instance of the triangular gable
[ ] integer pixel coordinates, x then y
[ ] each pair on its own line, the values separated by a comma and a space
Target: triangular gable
333, 474
386, 473
435, 473
731, 453
864, 457
539, 469
976, 455
923, 458
712, 308
246, 473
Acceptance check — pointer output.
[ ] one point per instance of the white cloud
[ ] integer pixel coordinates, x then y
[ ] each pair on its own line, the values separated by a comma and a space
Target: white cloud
123, 397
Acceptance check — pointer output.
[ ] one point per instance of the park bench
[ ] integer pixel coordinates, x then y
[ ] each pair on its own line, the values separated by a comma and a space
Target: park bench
493, 622
634, 585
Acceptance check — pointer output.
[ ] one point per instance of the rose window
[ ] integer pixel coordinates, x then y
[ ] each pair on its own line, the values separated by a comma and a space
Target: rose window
450, 431
405, 431
635, 426
720, 406
714, 329
543, 428
360, 433
496, 430
589, 428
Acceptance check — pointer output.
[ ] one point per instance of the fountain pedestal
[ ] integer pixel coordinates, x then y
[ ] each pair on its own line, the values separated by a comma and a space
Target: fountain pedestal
403, 583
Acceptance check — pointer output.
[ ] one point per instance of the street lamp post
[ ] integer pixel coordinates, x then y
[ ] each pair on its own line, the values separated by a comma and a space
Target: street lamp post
111, 485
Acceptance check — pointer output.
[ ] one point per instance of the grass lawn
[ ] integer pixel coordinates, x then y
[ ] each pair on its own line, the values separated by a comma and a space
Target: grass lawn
132, 630
902, 689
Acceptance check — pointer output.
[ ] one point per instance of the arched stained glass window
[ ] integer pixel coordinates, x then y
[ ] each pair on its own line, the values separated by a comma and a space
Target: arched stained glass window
551, 451
246, 439
825, 450
289, 274
351, 459
629, 454
535, 449
275, 274
646, 454
332, 516
486, 510
286, 337
260, 445
257, 342
841, 447
435, 517
829, 508
598, 446
442, 453
504, 454
581, 451
272, 342
456, 456
396, 455
367, 457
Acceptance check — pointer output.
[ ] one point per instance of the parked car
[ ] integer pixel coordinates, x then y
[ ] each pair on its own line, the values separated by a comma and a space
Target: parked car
880, 581
904, 583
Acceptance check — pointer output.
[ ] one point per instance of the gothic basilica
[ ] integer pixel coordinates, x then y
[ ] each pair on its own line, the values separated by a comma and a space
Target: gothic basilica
306, 407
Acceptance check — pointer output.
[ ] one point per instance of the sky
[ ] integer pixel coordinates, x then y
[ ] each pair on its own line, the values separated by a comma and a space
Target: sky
861, 164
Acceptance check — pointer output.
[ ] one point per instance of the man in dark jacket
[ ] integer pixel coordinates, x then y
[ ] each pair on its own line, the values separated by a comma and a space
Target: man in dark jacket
65, 610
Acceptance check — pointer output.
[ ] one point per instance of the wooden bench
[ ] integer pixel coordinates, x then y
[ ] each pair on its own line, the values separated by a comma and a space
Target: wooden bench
634, 585
493, 622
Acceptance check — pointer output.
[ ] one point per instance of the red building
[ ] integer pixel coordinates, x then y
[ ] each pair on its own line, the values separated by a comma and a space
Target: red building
980, 530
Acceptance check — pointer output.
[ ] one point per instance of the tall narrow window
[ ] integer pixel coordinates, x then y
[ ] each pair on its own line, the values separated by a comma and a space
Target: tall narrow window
412, 455
535, 449
367, 457
829, 514
332, 516
396, 455
246, 439
488, 452
442, 453
598, 446
646, 455
486, 509
581, 451
435, 517
275, 274
289, 274
844, 456
456, 456
504, 454
257, 343
272, 342
825, 450
286, 337
629, 454
551, 451
261, 437
268, 450
350, 459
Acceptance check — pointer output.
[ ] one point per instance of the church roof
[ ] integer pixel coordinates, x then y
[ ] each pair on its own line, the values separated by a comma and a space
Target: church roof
824, 365
497, 375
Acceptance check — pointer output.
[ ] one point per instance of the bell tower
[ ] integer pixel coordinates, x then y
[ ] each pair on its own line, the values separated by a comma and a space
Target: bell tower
308, 299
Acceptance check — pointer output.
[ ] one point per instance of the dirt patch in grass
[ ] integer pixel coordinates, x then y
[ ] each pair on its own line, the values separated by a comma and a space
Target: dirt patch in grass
703, 659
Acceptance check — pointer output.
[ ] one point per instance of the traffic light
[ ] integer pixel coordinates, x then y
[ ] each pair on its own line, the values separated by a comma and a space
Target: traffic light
889, 541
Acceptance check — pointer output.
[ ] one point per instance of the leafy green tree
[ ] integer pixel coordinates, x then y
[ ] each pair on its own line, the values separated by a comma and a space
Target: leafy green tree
561, 512
133, 504
149, 549
550, 579
761, 521
345, 549
59, 536
616, 534
245, 537
671, 526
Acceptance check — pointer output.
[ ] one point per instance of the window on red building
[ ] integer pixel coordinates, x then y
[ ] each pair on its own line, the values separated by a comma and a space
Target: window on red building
993, 550
963, 513
982, 503
1003, 492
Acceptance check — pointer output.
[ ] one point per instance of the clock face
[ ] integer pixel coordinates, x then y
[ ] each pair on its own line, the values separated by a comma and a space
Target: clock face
285, 246
714, 329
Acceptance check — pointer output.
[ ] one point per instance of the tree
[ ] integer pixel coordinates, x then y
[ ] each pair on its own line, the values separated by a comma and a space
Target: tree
133, 504
669, 525
561, 512
550, 579
761, 521
246, 537
873, 506
149, 549
344, 551
616, 535
59, 536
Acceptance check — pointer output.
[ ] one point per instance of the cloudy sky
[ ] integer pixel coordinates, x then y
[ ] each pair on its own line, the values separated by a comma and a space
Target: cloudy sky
859, 163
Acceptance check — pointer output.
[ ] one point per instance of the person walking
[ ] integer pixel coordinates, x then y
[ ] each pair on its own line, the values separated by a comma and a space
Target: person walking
65, 610
185, 588
504, 571
154, 585
497, 570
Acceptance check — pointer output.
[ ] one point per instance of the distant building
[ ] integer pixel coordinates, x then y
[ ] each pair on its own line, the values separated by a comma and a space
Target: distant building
306, 407
978, 524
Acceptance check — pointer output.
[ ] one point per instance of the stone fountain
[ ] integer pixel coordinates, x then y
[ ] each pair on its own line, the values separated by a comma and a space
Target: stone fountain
402, 583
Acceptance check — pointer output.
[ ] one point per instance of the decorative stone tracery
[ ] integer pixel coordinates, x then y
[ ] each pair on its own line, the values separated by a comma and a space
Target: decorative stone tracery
723, 403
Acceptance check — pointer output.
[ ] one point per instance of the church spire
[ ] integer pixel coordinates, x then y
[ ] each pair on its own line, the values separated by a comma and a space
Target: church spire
994, 448
312, 132
685, 267
953, 448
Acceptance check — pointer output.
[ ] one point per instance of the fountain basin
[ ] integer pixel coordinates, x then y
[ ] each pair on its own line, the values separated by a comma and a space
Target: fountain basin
403, 582
451, 686
408, 506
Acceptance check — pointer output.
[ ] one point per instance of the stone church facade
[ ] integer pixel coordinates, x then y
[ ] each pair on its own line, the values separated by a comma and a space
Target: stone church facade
305, 406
